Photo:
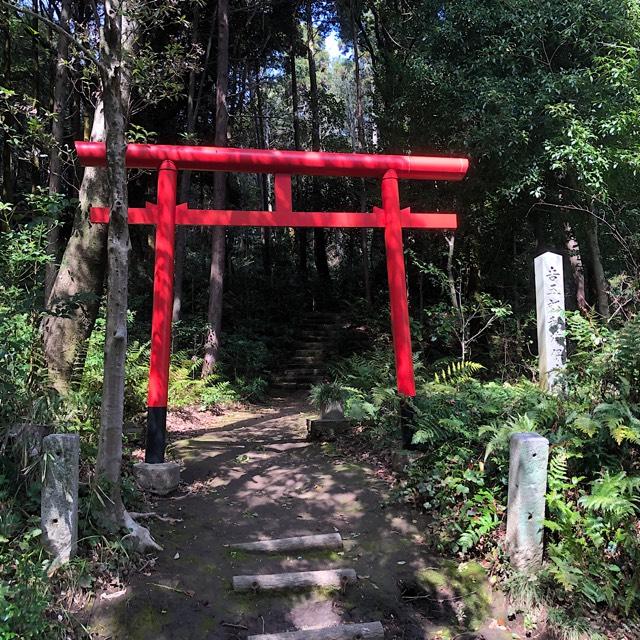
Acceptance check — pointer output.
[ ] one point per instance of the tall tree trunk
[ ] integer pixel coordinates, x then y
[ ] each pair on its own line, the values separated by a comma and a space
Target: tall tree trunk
75, 296
577, 269
599, 277
37, 31
60, 97
109, 458
319, 236
263, 143
185, 179
216, 275
361, 147
301, 234
7, 169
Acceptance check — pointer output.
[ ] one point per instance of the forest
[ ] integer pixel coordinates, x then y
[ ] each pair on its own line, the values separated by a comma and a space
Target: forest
542, 97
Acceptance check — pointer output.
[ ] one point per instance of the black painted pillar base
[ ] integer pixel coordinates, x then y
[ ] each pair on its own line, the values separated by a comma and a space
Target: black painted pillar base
156, 434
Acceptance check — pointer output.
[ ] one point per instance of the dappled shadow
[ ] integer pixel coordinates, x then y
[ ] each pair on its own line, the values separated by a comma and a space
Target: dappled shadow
256, 476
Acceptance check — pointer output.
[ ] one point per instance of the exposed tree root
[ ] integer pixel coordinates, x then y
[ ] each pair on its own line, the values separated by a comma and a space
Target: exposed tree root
153, 514
139, 535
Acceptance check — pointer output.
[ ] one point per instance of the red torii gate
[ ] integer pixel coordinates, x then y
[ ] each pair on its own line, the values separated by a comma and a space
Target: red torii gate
166, 214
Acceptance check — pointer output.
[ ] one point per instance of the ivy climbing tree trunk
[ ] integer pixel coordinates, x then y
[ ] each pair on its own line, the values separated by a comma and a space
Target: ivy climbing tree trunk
216, 274
75, 296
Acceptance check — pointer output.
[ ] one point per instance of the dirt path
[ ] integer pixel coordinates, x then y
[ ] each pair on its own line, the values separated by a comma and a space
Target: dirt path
254, 475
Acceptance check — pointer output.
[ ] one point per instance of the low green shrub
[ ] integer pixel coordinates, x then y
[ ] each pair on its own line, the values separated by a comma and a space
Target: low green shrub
26, 599
592, 553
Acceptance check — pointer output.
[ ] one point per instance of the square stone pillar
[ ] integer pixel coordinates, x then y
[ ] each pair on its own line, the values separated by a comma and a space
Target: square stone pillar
59, 501
528, 458
552, 346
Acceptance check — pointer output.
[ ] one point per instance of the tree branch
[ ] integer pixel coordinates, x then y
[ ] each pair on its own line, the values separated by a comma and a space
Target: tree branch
56, 27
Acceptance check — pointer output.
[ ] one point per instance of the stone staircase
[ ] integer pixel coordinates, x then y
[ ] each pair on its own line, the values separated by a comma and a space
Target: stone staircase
315, 341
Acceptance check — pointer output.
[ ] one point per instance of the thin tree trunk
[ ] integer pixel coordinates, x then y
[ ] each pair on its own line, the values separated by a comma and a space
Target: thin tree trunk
600, 279
185, 180
109, 458
319, 236
60, 97
301, 234
262, 141
37, 91
361, 147
216, 275
577, 268
7, 169
451, 281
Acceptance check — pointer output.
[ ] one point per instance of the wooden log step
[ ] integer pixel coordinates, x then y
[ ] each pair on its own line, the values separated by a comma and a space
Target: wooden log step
297, 580
297, 543
361, 631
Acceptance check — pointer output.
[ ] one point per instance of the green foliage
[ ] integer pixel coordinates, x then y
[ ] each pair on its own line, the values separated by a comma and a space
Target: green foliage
25, 592
593, 549
26, 599
23, 391
456, 372
326, 393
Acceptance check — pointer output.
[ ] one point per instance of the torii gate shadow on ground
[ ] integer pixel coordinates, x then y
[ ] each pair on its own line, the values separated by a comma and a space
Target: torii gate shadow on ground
166, 214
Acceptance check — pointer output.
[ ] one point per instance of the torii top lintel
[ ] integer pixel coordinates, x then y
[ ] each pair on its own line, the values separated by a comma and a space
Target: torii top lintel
167, 213
201, 158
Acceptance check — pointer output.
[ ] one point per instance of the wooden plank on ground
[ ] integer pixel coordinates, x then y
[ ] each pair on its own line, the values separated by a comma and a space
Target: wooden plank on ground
295, 580
361, 631
297, 543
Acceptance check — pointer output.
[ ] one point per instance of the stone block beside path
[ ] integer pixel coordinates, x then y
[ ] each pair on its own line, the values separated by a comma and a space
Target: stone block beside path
321, 430
402, 458
161, 478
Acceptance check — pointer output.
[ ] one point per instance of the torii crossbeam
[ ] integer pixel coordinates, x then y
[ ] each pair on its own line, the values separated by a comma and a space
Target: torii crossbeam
166, 214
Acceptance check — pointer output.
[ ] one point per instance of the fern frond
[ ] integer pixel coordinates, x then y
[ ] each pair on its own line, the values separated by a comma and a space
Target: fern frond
457, 372
617, 495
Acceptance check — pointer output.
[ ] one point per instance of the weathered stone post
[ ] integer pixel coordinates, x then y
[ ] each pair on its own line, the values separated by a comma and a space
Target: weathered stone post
59, 502
331, 423
552, 347
528, 457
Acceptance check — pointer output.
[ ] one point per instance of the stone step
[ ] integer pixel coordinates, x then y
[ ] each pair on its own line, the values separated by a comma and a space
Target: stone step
359, 631
306, 361
290, 386
338, 578
307, 353
302, 370
323, 315
328, 324
307, 380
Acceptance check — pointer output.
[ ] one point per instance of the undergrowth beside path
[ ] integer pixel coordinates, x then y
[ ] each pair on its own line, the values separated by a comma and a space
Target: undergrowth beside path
589, 585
